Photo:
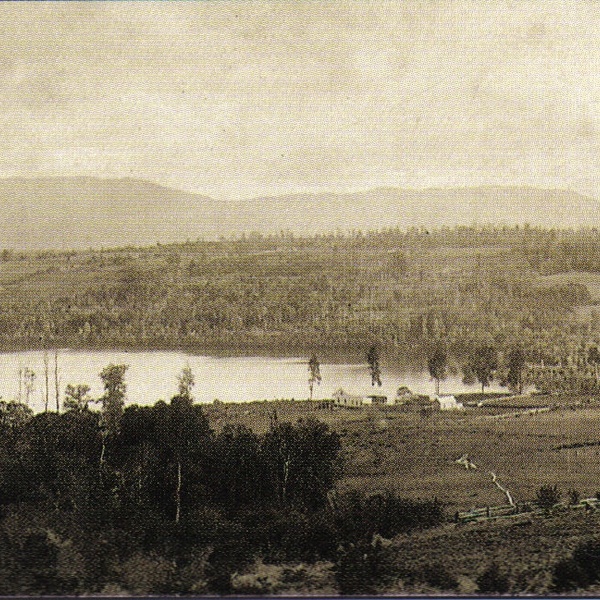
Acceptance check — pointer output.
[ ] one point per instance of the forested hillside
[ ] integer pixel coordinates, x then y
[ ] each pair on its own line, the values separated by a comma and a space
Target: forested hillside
403, 290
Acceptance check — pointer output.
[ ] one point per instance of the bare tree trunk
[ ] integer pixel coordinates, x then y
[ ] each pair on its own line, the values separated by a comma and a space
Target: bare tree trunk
103, 452
521, 382
286, 474
178, 493
57, 393
47, 395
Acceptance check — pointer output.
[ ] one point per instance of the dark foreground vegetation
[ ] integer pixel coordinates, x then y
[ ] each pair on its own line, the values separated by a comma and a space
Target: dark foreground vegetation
152, 500
179, 498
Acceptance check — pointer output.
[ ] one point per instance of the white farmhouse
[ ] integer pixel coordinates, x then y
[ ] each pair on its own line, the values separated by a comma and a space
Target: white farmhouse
448, 402
341, 398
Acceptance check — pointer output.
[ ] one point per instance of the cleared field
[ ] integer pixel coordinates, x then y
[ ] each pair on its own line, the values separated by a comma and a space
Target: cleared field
526, 550
590, 280
385, 448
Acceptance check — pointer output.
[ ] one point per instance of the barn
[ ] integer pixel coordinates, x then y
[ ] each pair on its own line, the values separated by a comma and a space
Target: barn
342, 398
375, 399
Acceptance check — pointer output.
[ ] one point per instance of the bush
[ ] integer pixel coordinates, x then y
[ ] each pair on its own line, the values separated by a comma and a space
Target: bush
366, 568
579, 571
292, 536
289, 579
548, 496
147, 574
567, 575
438, 576
574, 497
493, 580
358, 516
229, 556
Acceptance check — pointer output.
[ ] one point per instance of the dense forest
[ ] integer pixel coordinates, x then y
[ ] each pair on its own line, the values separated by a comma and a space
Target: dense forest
153, 500
404, 290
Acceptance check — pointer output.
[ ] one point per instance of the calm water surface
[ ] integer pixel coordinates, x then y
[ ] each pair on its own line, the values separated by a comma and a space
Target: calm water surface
153, 376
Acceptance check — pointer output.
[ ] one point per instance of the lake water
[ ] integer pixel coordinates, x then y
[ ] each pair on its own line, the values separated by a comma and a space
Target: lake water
153, 376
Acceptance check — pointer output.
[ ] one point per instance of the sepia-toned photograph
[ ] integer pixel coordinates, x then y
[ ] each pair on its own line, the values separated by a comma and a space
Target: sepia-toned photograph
300, 298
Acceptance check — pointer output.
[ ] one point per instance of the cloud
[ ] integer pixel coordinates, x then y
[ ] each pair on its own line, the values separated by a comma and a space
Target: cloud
240, 98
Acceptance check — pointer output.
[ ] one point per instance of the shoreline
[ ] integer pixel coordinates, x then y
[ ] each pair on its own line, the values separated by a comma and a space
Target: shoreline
326, 355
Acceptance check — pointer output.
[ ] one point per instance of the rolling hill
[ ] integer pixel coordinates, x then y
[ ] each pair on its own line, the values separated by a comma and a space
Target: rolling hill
81, 212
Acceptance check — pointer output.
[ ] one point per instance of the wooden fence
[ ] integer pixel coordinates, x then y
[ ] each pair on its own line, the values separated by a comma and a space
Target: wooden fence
507, 511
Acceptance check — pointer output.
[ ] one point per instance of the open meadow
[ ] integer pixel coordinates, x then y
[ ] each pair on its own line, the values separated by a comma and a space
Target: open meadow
385, 448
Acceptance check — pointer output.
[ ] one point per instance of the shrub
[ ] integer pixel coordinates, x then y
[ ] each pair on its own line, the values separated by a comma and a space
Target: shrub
359, 516
227, 558
579, 571
567, 575
366, 568
290, 579
438, 576
147, 574
574, 496
493, 580
291, 536
548, 496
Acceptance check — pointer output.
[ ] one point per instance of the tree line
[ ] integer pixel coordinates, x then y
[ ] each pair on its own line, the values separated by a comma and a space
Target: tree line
405, 289
151, 499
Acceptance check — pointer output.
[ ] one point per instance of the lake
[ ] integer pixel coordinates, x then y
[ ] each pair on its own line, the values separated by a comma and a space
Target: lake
153, 376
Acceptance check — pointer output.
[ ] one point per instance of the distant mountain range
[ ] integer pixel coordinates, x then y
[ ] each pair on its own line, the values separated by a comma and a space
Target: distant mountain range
81, 212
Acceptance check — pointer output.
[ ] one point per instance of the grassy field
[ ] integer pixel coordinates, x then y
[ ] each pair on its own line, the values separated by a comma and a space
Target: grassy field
414, 455
525, 550
385, 448
590, 280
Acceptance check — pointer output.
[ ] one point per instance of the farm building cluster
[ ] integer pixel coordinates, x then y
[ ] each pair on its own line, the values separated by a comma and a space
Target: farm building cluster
404, 398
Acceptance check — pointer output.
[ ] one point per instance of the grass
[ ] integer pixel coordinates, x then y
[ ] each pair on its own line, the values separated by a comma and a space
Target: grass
590, 280
385, 448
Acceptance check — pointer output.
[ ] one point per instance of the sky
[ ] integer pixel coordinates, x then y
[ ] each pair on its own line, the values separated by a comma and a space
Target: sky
239, 99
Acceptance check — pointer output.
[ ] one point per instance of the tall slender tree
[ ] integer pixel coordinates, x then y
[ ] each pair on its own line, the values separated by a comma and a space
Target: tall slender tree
482, 363
46, 378
185, 382
516, 367
374, 368
113, 400
77, 397
29, 383
437, 364
56, 381
314, 373
181, 411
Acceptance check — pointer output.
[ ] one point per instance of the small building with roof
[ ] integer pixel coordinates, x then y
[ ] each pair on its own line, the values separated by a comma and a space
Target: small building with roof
342, 398
447, 402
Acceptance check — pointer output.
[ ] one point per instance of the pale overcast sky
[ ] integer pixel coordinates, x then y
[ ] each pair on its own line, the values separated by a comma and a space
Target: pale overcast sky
237, 99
